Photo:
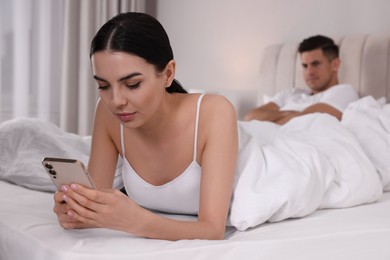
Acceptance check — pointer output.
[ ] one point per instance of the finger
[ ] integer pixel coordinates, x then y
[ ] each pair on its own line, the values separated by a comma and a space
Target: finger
68, 222
80, 204
80, 198
58, 197
102, 197
61, 208
65, 218
75, 194
80, 221
76, 225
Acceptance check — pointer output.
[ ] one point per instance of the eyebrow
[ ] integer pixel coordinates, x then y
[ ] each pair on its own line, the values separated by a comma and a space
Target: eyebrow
131, 75
312, 63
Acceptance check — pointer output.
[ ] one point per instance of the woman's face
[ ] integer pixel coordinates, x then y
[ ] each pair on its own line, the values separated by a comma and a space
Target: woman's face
130, 87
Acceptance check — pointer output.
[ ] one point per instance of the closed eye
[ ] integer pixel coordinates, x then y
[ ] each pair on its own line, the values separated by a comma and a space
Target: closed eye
103, 87
133, 86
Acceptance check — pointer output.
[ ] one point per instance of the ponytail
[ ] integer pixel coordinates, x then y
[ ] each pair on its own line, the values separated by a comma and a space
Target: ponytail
176, 87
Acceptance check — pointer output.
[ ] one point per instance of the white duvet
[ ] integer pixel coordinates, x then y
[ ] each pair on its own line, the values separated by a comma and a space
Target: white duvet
309, 163
312, 162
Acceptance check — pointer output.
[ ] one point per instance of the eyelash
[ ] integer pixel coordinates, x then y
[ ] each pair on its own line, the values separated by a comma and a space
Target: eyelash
133, 86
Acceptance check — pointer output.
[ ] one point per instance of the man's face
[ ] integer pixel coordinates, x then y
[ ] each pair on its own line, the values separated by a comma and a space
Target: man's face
319, 72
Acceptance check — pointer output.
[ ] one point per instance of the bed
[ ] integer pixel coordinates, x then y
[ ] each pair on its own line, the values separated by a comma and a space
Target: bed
359, 230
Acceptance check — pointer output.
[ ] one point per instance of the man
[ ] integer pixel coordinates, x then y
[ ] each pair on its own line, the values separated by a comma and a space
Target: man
320, 61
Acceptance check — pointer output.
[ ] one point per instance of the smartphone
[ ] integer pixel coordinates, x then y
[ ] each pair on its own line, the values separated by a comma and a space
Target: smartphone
67, 171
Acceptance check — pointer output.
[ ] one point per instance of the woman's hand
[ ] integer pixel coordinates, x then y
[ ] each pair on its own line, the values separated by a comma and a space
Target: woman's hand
96, 208
61, 208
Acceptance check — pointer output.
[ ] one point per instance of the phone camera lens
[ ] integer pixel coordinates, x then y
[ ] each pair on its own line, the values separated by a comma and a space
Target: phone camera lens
49, 166
52, 172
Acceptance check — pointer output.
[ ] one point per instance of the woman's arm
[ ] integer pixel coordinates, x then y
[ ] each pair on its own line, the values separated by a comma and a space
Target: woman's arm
218, 165
112, 209
102, 171
104, 154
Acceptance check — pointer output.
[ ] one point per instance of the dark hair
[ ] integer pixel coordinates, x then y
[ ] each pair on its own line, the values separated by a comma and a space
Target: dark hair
327, 45
139, 34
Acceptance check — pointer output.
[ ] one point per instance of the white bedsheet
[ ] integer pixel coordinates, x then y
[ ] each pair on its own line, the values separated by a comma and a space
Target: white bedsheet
29, 230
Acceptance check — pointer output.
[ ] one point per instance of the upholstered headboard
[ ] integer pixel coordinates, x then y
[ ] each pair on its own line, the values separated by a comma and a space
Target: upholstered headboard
365, 63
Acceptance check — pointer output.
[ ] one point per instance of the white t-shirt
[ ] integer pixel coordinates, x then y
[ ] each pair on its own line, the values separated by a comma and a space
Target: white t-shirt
297, 99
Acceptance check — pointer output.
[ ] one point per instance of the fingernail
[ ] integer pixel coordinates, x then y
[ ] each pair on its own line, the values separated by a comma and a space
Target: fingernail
65, 198
73, 187
69, 213
64, 188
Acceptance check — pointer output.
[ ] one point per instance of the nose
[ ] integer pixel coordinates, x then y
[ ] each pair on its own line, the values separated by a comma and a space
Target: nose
118, 98
312, 69
309, 71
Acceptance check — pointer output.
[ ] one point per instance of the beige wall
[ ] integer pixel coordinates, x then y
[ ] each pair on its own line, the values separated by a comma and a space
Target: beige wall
218, 43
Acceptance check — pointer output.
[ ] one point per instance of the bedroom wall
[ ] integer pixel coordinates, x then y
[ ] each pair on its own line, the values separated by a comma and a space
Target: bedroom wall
218, 44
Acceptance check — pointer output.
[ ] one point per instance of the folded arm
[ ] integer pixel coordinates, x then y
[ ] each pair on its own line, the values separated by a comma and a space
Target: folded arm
316, 108
270, 112
267, 112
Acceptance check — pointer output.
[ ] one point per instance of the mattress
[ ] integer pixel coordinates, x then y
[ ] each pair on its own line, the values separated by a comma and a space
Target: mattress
29, 230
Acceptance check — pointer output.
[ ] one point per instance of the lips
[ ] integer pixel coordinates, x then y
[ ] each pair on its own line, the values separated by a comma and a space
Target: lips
312, 80
126, 117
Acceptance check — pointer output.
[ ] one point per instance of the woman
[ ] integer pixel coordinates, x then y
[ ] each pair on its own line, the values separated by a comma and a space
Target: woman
179, 150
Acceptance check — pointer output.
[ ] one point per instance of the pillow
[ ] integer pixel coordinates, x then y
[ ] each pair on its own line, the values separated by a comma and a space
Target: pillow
369, 120
24, 142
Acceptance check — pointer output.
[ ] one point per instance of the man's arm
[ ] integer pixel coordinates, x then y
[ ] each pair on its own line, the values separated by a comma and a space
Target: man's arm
271, 112
316, 108
267, 112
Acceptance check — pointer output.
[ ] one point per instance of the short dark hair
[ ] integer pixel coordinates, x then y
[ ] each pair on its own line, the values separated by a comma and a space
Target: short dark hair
139, 34
326, 44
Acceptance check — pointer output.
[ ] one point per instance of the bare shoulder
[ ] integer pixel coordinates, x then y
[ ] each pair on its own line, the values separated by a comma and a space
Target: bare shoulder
104, 120
218, 106
218, 117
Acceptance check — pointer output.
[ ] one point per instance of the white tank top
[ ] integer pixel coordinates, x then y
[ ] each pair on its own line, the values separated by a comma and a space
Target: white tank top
179, 196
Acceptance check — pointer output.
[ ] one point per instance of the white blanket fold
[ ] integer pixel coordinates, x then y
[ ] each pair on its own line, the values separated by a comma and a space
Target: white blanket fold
309, 163
25, 141
369, 120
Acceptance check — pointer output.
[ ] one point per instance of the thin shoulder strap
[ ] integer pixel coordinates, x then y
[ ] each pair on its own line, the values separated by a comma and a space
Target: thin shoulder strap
196, 129
196, 124
122, 142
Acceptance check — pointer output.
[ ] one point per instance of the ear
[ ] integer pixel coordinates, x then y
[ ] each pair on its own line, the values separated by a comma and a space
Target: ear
170, 70
335, 64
